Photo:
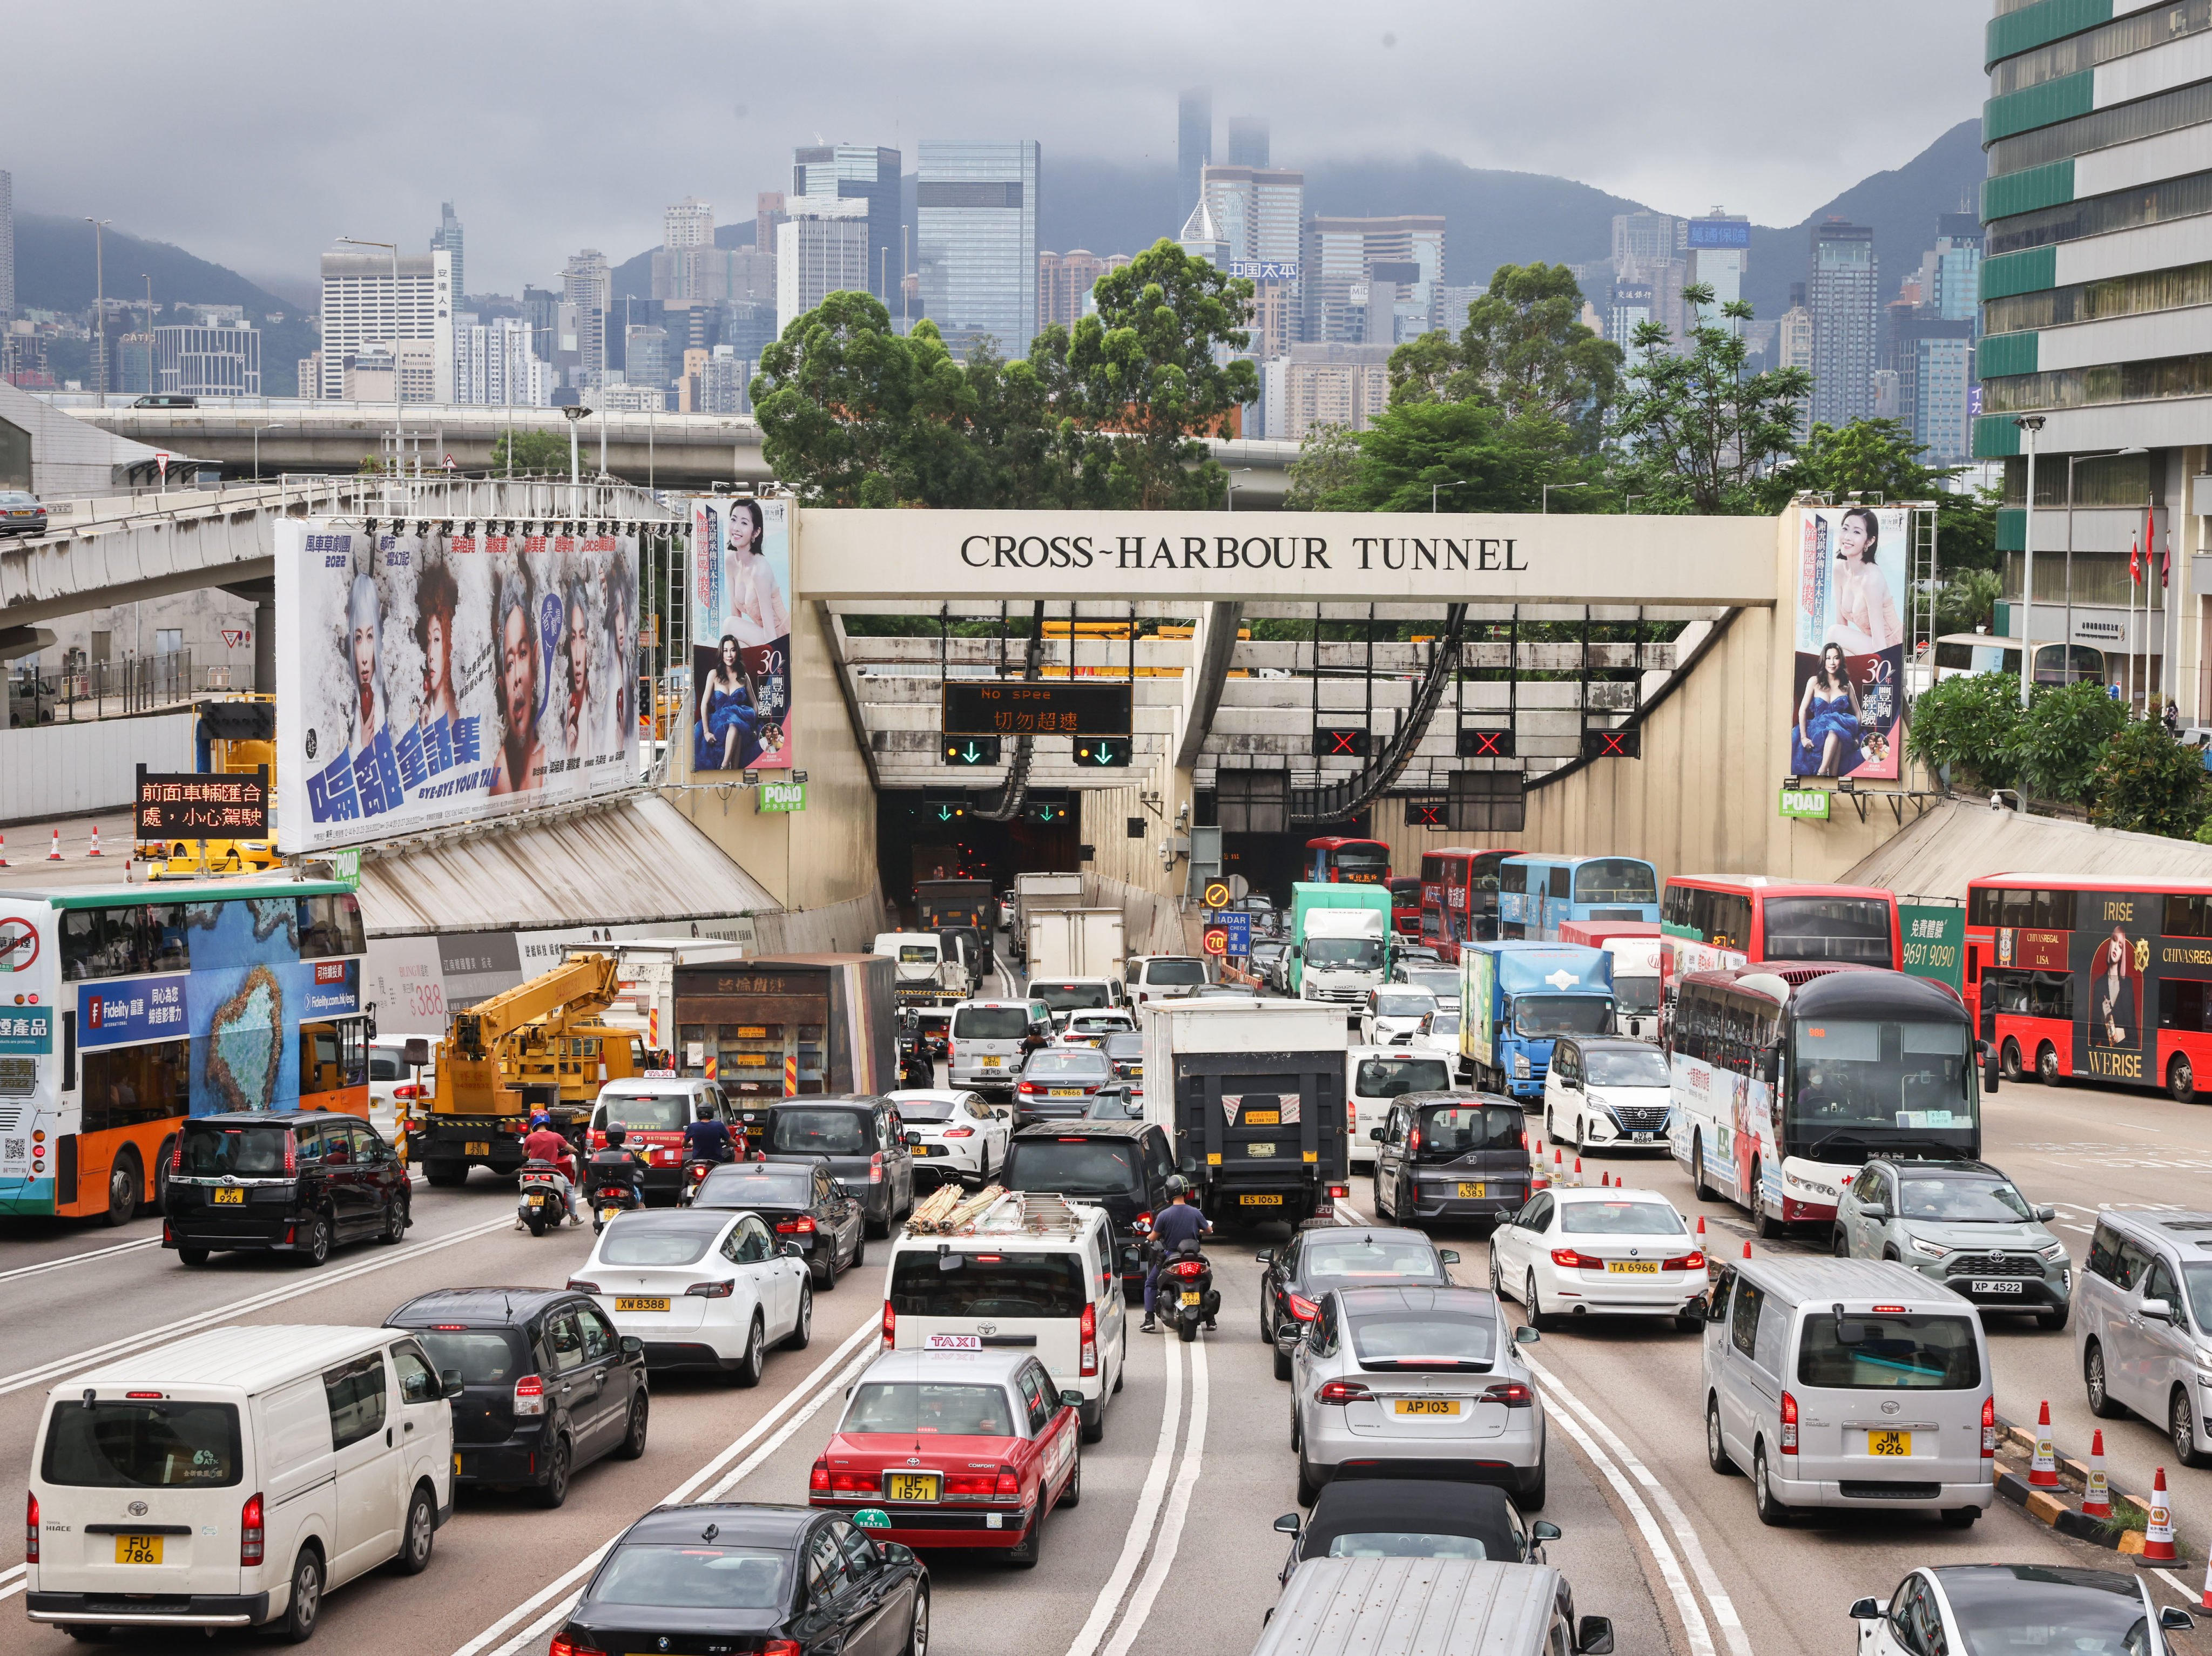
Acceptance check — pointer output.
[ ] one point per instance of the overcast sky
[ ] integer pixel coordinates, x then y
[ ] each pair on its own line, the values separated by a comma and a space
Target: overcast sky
252, 133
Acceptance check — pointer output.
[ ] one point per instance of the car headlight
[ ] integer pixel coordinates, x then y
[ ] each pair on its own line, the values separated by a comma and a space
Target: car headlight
1521, 1066
1926, 1250
2054, 1253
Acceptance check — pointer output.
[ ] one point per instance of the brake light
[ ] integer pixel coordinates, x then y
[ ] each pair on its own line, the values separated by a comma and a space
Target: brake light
772, 1648
890, 1325
721, 1291
876, 1169
1029, 1087
530, 1396
1567, 1258
817, 1481
1090, 1336
1414, 1141
1684, 1262
1512, 1394
1007, 1486
948, 1051
291, 1153
853, 1483
1788, 1423
563, 1645
1187, 1268
1339, 1192
802, 1226
1303, 1309
958, 1133
1893, 1310
1989, 1429
177, 1153
252, 1538
31, 1529
408, 1089
1524, 1138
578, 1285
1340, 1391
971, 1484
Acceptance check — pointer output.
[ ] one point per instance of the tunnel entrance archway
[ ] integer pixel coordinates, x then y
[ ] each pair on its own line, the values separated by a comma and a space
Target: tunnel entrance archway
916, 840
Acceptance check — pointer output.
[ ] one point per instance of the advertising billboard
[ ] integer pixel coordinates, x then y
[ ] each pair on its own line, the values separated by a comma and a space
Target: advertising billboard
1720, 232
431, 677
740, 621
1847, 707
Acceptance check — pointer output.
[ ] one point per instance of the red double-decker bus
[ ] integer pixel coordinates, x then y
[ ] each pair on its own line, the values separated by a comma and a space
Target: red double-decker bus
2105, 978
1355, 862
1406, 906
1714, 922
1459, 897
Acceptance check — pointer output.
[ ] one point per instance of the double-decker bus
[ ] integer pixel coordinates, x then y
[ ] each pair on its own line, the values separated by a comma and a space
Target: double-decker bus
1536, 894
1406, 906
1710, 922
125, 1008
1787, 1077
1355, 862
1458, 898
2109, 979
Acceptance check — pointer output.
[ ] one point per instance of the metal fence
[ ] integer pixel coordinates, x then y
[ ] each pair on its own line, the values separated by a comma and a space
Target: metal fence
107, 689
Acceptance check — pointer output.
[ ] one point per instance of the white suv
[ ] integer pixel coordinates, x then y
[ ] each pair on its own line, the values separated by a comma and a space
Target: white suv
1158, 977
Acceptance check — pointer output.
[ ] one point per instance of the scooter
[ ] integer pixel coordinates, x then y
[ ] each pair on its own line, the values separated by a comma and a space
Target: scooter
544, 1195
1185, 1295
695, 1174
609, 1199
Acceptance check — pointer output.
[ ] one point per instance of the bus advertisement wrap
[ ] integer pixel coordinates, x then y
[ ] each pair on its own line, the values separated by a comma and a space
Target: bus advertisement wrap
740, 622
1847, 693
434, 676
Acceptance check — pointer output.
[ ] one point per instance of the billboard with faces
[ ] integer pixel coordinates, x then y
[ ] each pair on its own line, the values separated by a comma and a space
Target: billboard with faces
1847, 694
430, 675
740, 628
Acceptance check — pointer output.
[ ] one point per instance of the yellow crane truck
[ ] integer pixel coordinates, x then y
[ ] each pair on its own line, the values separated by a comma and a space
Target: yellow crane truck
542, 1045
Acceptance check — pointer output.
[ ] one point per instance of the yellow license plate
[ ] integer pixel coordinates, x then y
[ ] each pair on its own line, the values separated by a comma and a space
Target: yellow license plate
911, 1486
138, 1548
229, 1198
1428, 1405
1263, 1118
992, 1063
538, 1198
1065, 1091
640, 1302
1189, 1298
476, 1147
1889, 1443
1632, 1267
1260, 1201
457, 1462
1468, 1190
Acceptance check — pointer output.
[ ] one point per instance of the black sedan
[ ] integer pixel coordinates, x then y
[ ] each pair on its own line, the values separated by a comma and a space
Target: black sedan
1416, 1518
1337, 1256
750, 1577
801, 1202
1126, 1052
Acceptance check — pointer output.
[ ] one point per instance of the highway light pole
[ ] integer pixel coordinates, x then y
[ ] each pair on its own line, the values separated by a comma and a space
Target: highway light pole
99, 312
1548, 487
575, 412
274, 425
399, 418
2029, 425
1456, 482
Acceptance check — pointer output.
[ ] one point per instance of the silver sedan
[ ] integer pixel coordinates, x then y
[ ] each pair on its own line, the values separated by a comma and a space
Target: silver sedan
1414, 1382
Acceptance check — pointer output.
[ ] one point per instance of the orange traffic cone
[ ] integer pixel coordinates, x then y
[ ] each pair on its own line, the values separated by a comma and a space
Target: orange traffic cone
2043, 1470
2206, 1604
94, 852
2158, 1533
1578, 1171
55, 855
4, 851
2097, 1497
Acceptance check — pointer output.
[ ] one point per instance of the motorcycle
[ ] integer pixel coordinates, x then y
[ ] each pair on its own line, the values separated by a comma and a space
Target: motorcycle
1186, 1296
695, 1174
609, 1199
916, 1068
544, 1195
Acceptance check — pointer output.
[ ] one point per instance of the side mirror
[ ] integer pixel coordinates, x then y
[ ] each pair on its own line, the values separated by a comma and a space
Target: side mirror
1072, 1398
449, 1382
2156, 1311
1288, 1334
791, 1250
2174, 1619
1449, 1255
1874, 1210
1542, 1530
1376, 1134
1594, 1636
2045, 1213
896, 1552
1287, 1524
1266, 1256
837, 1189
1525, 1334
1991, 1072
630, 1346
1866, 1610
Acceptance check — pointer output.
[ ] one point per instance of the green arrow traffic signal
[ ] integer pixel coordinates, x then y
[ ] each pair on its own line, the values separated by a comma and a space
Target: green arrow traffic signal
1103, 752
971, 750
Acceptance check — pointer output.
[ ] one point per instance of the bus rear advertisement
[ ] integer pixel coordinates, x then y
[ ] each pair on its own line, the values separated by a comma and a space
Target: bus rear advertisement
1536, 894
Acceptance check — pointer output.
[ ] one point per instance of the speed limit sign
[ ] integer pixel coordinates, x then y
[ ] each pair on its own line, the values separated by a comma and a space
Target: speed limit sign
1216, 893
1215, 940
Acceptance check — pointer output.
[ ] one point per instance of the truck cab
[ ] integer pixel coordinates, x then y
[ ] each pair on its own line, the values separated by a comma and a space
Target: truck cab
1517, 1000
1341, 941
925, 971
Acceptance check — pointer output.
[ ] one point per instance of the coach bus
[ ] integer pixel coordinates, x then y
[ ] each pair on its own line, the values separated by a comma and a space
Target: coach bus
1458, 898
1786, 1077
1357, 862
125, 1008
1712, 922
2108, 978
1536, 894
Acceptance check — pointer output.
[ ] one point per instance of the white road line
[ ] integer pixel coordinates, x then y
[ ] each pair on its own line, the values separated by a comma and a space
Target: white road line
559, 1585
1147, 1513
315, 1283
1164, 1550
2194, 1601
79, 1258
12, 1589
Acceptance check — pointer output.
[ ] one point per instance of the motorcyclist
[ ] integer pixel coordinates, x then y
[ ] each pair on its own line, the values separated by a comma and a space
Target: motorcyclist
708, 1140
615, 1166
1179, 1222
545, 1144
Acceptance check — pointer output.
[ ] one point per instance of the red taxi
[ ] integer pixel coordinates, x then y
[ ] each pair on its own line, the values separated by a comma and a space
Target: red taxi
653, 1114
954, 1449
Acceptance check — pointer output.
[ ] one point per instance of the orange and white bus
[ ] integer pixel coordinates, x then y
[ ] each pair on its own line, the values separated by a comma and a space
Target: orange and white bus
123, 1009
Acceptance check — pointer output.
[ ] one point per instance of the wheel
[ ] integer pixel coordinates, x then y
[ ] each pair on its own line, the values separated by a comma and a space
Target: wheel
1024, 1553
300, 1616
2181, 1427
160, 1197
444, 1175
2046, 1065
2054, 1318
860, 1250
748, 1371
1497, 1282
555, 1490
416, 1539
191, 1256
1266, 1333
641, 1418
1704, 1192
1092, 1429
1551, 1127
1582, 1135
803, 1330
826, 1278
1072, 1495
1770, 1229
315, 1246
1717, 1454
1308, 1488
535, 1219
917, 1632
1530, 1495
395, 1223
1841, 1247
1539, 1319
1282, 1364
2009, 1064
1960, 1517
1772, 1511
2092, 1382
2181, 1080
1186, 1326
877, 1228
123, 1185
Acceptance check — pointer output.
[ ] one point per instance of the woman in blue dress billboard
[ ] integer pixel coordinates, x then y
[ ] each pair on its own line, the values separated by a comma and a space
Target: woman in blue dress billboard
741, 623
1847, 717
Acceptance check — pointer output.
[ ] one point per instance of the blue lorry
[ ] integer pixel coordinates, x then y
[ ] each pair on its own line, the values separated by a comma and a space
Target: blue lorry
1517, 998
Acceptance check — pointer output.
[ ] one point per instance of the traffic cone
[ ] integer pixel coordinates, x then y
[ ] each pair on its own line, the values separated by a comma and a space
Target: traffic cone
55, 855
1746, 1247
2097, 1497
4, 851
2042, 1470
94, 852
1578, 1172
2158, 1533
2207, 1602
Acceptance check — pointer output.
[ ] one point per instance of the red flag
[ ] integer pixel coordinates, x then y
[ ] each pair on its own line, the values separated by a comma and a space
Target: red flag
2135, 559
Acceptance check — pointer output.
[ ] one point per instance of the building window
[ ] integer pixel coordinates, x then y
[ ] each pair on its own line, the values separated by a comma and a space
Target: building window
2188, 106
2109, 382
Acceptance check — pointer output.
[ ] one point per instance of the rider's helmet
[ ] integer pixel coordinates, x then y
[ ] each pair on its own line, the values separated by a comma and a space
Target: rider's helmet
1177, 1186
614, 1137
542, 1118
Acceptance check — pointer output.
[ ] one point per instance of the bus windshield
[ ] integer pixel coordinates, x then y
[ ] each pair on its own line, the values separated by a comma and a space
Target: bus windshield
1616, 880
1548, 1015
1858, 1076
1365, 862
1829, 929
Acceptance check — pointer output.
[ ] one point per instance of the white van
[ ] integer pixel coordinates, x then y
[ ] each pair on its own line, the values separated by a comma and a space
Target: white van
1435, 1606
234, 1478
1034, 1270
1374, 1077
988, 1040
1849, 1383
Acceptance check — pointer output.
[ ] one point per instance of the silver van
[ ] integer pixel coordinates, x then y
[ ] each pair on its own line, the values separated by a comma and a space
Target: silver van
1432, 1607
1849, 1383
988, 1040
2143, 1323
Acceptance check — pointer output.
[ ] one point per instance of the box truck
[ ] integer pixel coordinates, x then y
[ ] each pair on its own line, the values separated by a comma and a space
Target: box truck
1340, 941
1634, 946
1516, 999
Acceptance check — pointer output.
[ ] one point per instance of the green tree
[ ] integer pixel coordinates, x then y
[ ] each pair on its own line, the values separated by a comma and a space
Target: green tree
2062, 736
835, 397
1968, 722
1487, 461
1328, 462
530, 450
2148, 783
1879, 460
1966, 600
1524, 349
1694, 432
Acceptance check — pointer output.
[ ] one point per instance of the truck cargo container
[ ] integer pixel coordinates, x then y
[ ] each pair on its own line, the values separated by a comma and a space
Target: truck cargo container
1635, 947
789, 1024
1516, 999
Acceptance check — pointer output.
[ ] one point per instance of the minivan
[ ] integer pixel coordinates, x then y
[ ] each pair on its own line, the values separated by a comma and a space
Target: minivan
1158, 977
1375, 1077
652, 1115
988, 1041
1849, 1383
858, 1139
2142, 1337
1429, 1607
231, 1479
285, 1181
1451, 1157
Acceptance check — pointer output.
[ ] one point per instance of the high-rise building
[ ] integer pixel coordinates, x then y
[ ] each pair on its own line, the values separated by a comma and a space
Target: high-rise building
1247, 140
1064, 282
1719, 246
447, 237
975, 247
823, 174
688, 223
1202, 235
1630, 308
360, 311
1952, 270
7, 245
724, 381
822, 249
1260, 211
1193, 146
1642, 241
645, 357
1324, 385
1340, 255
493, 364
587, 283
134, 363
769, 211
192, 361
1841, 293
748, 328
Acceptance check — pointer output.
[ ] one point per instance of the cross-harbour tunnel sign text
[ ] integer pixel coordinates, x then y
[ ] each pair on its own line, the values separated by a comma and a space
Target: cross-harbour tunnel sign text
1382, 557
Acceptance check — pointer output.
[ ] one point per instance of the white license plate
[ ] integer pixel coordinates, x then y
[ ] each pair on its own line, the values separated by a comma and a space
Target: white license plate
1994, 1285
1642, 1138
952, 1343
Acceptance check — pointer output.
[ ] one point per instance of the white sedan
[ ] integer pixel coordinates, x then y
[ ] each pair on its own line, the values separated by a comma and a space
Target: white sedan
702, 1289
954, 1134
1611, 1252
1605, 1090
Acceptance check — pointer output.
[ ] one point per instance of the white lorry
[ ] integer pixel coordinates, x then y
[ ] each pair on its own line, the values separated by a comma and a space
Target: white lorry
926, 973
1075, 942
646, 970
1635, 986
1343, 954
1034, 894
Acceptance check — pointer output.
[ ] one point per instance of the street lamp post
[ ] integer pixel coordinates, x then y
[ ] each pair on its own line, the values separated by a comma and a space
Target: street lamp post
1230, 493
274, 425
1456, 482
399, 418
2029, 425
575, 412
99, 312
1548, 487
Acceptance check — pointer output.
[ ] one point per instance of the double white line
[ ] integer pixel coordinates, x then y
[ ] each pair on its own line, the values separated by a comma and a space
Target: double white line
85, 1258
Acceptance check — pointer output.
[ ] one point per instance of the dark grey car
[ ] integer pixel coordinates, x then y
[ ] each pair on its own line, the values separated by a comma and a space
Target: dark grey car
1451, 1156
858, 1139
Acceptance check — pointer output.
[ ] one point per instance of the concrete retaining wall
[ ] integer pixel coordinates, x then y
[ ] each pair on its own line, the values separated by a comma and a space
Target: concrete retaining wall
67, 770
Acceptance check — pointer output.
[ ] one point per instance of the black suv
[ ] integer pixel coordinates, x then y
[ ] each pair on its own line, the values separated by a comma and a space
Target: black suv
285, 1181
1122, 1166
858, 1139
547, 1386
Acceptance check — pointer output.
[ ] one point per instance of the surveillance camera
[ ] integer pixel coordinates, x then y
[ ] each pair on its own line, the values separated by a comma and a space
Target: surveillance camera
1996, 803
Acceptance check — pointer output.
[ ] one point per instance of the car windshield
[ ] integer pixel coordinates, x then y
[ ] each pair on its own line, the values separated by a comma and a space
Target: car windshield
1625, 1067
1615, 880
1097, 1023
819, 1132
1113, 1106
940, 1410
1619, 1219
1423, 1339
1345, 953
1562, 1014
645, 1112
1861, 1073
659, 1239
919, 953
1908, 1352
1637, 992
1404, 1543
1074, 1167
1071, 997
1444, 1023
2031, 1610
1405, 1004
1333, 1264
1961, 1199
1830, 929
987, 1284
1085, 1061
118, 1445
1454, 1130
209, 1151
912, 1108
1174, 974
1266, 951
485, 1357
761, 1185
990, 1022
1444, 985
694, 1577
1386, 1077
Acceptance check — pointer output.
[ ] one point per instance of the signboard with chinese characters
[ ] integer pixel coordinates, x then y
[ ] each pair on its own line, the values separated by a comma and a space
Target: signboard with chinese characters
778, 796
1265, 270
1934, 941
201, 805
1007, 707
26, 1030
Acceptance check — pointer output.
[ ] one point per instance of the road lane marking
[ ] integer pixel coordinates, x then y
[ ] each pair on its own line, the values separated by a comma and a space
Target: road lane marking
77, 1361
1146, 1517
79, 1258
1186, 1479
556, 1588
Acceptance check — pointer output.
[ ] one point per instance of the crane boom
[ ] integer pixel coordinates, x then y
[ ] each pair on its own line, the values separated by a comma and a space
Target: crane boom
581, 987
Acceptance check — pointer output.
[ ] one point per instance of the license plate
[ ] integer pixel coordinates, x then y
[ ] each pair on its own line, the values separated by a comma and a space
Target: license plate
953, 1343
1189, 1297
1469, 1192
476, 1147
1642, 1138
1889, 1443
640, 1302
1632, 1267
607, 1214
911, 1486
1260, 1149
138, 1548
1428, 1405
457, 1462
538, 1198
1998, 1285
935, 1149
992, 1063
1263, 1118
229, 1198
1260, 1201
1064, 1092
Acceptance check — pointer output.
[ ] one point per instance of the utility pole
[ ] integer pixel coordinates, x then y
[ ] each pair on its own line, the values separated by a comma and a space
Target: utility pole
99, 312
2029, 425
